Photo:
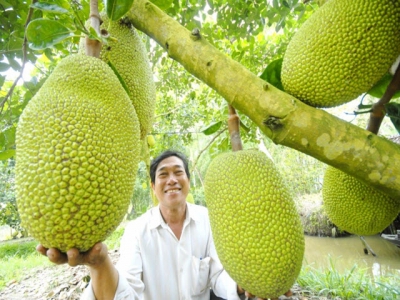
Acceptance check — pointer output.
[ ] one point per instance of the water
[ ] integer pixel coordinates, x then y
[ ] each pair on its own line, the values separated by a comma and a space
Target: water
345, 252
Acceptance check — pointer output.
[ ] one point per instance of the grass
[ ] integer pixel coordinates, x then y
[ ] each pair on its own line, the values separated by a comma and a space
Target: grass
17, 257
352, 284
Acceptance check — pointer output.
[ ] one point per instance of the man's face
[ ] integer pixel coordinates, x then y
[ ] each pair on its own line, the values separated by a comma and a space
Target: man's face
171, 185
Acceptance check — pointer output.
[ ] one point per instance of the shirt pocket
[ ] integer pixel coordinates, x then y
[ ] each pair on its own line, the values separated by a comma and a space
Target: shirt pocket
200, 275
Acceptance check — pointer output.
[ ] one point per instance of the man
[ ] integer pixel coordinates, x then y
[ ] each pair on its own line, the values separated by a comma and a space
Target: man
167, 253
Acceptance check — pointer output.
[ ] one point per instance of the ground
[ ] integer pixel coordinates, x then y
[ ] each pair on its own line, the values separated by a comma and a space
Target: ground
67, 283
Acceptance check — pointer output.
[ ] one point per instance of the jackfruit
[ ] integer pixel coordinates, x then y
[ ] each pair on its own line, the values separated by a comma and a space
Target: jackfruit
127, 54
341, 51
151, 141
354, 206
257, 231
77, 150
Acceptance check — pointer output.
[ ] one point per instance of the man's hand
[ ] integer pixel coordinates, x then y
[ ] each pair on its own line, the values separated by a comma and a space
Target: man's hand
94, 257
250, 296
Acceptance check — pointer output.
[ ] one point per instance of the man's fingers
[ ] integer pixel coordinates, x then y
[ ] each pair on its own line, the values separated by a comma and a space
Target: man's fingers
289, 293
96, 255
56, 256
240, 291
74, 257
249, 295
42, 250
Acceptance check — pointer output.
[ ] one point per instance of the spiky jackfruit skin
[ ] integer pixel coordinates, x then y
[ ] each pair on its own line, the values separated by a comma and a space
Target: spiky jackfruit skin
354, 206
128, 55
341, 51
257, 231
77, 155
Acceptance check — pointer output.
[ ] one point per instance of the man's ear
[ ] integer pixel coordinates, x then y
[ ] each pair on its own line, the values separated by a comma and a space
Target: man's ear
152, 186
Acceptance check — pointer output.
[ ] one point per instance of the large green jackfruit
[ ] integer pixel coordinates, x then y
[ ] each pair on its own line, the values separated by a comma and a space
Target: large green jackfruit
354, 206
341, 51
128, 55
257, 231
77, 155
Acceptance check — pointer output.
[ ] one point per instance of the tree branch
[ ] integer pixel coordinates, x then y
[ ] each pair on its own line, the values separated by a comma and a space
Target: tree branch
234, 129
93, 47
378, 111
281, 117
208, 145
24, 59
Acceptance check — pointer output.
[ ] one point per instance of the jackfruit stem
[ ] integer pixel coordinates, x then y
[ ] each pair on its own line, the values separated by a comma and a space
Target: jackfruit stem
378, 111
93, 47
234, 129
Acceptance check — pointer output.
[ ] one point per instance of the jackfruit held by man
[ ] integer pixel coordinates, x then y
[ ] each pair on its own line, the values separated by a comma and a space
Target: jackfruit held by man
77, 155
341, 51
354, 206
257, 231
127, 54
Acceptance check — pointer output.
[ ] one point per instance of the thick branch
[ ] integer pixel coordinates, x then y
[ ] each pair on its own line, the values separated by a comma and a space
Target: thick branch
281, 117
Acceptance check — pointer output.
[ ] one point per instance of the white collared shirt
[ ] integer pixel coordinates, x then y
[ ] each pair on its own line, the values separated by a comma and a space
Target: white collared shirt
154, 264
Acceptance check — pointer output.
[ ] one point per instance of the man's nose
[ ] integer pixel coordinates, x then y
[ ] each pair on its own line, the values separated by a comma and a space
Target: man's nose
171, 179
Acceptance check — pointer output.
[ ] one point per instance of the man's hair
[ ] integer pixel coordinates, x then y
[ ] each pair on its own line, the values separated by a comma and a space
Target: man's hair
168, 153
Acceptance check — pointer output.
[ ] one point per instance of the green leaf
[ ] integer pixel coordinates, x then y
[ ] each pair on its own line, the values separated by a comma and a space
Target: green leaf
244, 127
212, 128
13, 63
53, 8
121, 80
163, 4
4, 67
380, 87
272, 73
393, 112
116, 9
5, 4
7, 138
2, 79
44, 33
7, 154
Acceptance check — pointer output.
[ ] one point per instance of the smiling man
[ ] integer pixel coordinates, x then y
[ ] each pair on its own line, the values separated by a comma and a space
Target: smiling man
167, 253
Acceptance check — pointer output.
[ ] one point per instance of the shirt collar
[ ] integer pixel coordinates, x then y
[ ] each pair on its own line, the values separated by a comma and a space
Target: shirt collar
156, 218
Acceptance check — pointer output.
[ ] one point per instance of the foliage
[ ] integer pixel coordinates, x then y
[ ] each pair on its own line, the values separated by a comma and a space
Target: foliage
141, 199
352, 284
8, 206
113, 241
393, 111
20, 249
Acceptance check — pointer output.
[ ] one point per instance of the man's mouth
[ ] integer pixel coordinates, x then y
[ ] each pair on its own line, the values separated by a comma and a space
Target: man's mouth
172, 191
